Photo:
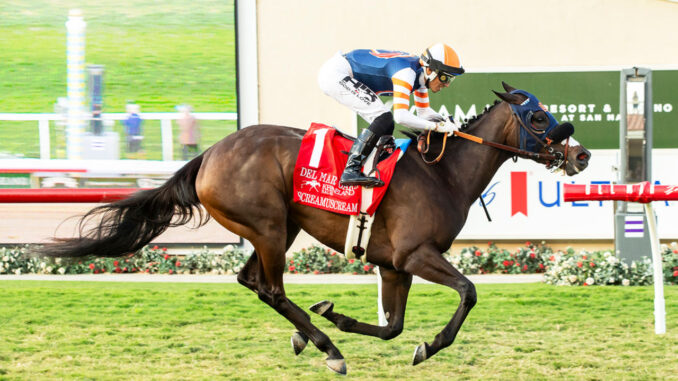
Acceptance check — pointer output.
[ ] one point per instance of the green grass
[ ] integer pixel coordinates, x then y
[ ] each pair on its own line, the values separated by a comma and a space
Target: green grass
67, 330
158, 54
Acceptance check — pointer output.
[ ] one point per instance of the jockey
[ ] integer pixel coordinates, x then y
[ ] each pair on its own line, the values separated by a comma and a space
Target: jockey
355, 78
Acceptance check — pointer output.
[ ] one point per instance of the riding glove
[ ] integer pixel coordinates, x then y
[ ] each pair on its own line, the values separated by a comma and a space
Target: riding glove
447, 127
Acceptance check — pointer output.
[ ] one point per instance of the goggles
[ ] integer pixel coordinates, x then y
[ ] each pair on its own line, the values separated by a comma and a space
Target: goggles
444, 77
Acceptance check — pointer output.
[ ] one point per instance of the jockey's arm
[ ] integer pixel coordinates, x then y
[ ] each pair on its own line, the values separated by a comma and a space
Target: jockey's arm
423, 107
403, 81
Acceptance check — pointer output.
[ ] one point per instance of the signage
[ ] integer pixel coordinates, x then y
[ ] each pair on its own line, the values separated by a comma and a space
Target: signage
526, 201
15, 180
587, 99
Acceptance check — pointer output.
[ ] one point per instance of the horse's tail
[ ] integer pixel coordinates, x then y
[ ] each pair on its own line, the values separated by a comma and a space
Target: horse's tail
127, 225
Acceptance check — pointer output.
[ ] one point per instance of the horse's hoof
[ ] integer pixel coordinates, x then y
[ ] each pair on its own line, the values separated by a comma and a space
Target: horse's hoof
419, 354
299, 341
322, 307
337, 365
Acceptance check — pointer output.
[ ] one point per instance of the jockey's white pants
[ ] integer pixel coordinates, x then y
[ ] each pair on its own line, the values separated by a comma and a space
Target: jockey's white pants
335, 79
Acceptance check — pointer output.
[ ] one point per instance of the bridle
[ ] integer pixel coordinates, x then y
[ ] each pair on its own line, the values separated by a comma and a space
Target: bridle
553, 160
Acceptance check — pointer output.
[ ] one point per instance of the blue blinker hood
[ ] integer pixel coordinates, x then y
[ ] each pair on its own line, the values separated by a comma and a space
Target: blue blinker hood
525, 111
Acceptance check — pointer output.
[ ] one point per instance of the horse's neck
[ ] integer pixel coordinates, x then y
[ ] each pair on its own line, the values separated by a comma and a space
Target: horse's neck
472, 166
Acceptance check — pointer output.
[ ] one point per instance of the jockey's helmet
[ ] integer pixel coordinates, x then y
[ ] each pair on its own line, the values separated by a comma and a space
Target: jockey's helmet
443, 62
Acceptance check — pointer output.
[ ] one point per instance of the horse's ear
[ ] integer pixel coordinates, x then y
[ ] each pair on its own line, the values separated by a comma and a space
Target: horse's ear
507, 87
515, 99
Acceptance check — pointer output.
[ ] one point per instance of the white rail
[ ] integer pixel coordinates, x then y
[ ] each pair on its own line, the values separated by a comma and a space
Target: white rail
164, 117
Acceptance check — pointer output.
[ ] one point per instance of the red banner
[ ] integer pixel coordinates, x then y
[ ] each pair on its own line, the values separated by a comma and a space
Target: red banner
518, 193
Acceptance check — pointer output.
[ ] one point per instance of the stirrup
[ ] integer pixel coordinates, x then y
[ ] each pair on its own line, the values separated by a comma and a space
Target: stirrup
365, 181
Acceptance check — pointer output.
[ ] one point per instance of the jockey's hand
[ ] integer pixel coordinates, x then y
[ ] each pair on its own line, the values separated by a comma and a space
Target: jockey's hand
447, 127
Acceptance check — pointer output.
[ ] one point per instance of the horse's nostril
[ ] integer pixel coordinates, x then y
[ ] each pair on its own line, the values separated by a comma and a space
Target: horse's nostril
583, 156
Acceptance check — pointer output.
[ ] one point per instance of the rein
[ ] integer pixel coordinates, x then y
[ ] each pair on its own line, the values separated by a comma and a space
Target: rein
423, 146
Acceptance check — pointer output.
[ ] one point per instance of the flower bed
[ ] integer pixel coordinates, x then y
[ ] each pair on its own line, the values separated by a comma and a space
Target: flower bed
566, 267
559, 267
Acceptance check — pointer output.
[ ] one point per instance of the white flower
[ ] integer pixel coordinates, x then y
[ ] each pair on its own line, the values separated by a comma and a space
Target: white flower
17, 271
590, 281
43, 265
611, 280
5, 258
49, 269
572, 278
62, 270
626, 282
612, 260
468, 255
228, 248
674, 245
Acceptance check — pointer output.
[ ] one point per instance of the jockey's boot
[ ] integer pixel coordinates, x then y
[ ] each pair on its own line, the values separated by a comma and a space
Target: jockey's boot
360, 150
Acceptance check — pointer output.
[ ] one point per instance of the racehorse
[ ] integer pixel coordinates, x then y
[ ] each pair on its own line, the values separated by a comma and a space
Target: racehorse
245, 183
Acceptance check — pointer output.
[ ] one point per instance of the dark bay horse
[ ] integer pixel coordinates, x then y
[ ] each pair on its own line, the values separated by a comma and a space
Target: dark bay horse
245, 183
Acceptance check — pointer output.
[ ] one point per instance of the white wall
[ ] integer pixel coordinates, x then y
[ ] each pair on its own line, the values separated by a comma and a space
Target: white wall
295, 37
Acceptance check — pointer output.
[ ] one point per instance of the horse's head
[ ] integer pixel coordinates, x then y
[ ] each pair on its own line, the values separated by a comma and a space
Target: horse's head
538, 131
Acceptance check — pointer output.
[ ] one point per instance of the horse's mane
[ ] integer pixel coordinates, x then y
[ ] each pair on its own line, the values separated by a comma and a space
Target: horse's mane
468, 123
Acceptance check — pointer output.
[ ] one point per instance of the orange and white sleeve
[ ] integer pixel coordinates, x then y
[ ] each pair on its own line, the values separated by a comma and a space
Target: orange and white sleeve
402, 88
423, 106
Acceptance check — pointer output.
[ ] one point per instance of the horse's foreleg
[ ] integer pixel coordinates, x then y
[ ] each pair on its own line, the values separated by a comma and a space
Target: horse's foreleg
428, 263
395, 288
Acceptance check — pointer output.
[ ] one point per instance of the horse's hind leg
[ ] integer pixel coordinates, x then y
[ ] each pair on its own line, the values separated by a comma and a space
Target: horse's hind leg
249, 277
271, 291
428, 263
395, 288
263, 274
249, 274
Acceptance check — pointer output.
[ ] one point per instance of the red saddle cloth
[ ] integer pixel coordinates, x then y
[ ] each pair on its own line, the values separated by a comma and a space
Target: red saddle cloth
319, 167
